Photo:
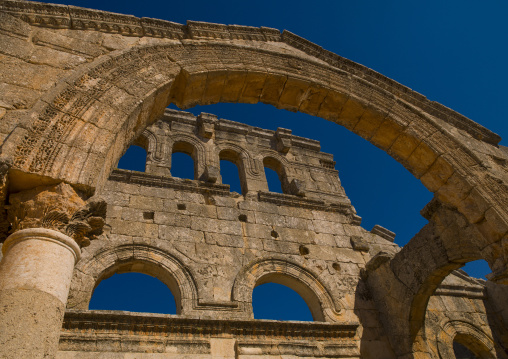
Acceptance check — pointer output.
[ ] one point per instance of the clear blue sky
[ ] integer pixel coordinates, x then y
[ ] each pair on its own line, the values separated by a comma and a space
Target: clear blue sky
453, 52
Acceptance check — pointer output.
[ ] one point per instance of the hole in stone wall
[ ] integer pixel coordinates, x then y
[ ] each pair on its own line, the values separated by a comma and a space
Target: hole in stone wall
274, 234
242, 218
278, 302
133, 292
181, 206
304, 250
336, 266
134, 159
148, 215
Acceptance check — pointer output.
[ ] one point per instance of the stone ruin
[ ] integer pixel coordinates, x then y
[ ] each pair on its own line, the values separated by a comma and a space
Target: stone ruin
79, 86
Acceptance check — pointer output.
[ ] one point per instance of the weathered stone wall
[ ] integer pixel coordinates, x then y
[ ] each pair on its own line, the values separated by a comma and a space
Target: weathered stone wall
212, 247
78, 86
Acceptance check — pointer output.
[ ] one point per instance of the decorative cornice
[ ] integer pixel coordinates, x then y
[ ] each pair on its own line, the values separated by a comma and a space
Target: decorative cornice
171, 116
147, 179
83, 322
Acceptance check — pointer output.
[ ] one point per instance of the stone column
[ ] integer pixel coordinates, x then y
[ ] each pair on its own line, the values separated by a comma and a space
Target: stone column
49, 225
35, 277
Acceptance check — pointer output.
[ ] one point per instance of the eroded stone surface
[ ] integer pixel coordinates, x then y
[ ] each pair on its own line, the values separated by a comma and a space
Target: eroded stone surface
74, 94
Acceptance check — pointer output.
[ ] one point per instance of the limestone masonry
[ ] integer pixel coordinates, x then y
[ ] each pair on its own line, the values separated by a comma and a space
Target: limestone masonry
79, 86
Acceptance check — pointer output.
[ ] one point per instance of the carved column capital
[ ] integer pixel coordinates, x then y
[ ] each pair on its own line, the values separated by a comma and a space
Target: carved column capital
60, 208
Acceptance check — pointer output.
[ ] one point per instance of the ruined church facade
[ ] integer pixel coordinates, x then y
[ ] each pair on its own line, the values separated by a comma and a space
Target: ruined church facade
79, 86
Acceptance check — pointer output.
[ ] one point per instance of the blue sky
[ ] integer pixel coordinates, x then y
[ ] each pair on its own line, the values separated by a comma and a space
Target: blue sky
453, 52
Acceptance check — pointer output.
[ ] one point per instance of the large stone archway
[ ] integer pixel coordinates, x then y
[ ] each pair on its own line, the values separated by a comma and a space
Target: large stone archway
84, 114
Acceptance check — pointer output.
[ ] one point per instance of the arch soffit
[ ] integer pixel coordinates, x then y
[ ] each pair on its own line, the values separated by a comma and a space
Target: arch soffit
99, 265
413, 137
250, 275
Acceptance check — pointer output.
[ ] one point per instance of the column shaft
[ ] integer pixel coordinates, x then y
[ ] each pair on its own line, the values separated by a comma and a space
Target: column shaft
35, 276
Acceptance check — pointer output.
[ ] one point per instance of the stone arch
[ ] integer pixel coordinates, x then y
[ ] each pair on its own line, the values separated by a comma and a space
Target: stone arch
90, 271
77, 131
321, 303
274, 161
472, 337
192, 146
252, 167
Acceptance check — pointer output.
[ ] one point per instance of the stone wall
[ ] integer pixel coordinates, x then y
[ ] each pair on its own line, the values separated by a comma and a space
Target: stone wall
212, 247
78, 86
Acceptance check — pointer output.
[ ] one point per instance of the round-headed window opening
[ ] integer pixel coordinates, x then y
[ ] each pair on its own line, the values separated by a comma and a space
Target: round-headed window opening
231, 171
137, 286
308, 296
183, 161
275, 175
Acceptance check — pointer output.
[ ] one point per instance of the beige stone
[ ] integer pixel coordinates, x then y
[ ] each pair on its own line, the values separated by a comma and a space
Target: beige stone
78, 86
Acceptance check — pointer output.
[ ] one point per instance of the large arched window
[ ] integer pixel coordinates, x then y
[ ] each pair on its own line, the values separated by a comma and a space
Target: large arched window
230, 165
133, 292
183, 161
275, 175
131, 286
134, 159
279, 302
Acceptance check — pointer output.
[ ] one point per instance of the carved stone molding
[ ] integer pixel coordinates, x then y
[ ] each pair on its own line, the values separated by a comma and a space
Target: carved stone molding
80, 322
57, 207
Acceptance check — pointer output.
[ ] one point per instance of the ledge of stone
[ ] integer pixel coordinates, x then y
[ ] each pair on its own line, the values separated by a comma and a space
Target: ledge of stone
383, 233
147, 179
295, 201
82, 322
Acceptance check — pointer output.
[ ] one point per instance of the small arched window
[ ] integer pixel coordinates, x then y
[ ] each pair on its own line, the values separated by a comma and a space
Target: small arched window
183, 161
230, 171
134, 292
275, 175
134, 159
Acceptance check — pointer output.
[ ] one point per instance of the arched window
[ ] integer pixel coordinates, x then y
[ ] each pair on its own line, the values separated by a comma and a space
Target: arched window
230, 165
183, 161
134, 159
133, 292
275, 175
279, 302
